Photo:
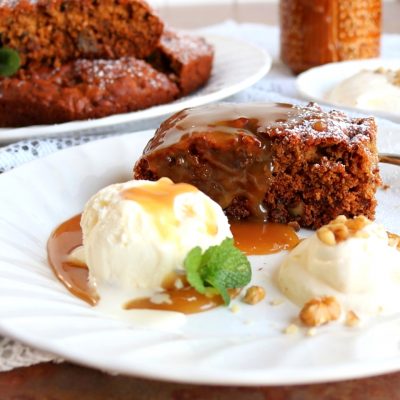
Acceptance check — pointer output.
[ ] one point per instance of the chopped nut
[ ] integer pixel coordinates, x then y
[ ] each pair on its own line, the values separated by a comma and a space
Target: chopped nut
357, 223
340, 219
380, 70
326, 236
235, 308
396, 78
394, 240
352, 319
311, 332
385, 186
320, 311
341, 229
291, 329
254, 295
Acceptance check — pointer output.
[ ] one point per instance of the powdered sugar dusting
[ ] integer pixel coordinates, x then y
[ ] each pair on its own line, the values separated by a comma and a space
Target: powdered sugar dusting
313, 125
184, 47
105, 72
309, 125
14, 3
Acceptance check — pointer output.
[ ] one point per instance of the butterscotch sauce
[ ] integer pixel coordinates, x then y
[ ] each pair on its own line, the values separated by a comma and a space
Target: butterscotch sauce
222, 149
257, 238
62, 241
249, 119
158, 199
251, 237
186, 300
68, 236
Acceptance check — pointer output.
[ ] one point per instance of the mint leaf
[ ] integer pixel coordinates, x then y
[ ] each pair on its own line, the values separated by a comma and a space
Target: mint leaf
222, 267
9, 61
225, 266
192, 264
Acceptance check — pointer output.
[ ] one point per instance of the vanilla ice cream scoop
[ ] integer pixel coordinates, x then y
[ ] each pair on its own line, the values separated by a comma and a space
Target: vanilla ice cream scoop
348, 259
137, 233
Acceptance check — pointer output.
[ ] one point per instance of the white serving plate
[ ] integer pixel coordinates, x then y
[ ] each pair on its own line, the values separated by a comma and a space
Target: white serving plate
237, 65
214, 347
316, 83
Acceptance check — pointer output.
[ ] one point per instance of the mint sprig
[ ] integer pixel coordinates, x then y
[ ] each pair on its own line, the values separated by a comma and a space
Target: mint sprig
9, 62
220, 267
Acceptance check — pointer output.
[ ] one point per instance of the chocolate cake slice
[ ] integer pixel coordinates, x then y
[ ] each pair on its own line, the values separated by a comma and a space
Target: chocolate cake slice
275, 162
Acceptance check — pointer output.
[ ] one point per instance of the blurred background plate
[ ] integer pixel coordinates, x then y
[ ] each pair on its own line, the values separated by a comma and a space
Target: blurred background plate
237, 65
316, 83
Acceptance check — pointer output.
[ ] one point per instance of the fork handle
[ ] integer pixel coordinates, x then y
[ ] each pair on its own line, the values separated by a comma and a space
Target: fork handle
389, 158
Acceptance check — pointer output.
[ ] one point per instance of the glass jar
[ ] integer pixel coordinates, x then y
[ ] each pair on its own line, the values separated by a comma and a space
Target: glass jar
315, 32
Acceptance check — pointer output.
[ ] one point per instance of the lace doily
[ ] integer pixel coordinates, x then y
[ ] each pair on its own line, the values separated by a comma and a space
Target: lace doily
14, 355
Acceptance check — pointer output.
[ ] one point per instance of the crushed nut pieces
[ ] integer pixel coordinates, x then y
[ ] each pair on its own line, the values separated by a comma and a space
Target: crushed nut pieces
254, 295
341, 229
320, 311
352, 319
394, 240
291, 329
396, 78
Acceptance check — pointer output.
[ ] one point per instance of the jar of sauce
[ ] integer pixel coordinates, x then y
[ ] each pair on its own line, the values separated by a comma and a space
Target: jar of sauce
315, 32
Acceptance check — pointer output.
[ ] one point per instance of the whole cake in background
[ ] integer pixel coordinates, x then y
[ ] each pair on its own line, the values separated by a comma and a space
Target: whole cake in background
82, 59
320, 32
274, 162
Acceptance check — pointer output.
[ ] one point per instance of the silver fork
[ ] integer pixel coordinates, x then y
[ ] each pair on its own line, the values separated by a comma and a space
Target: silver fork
389, 158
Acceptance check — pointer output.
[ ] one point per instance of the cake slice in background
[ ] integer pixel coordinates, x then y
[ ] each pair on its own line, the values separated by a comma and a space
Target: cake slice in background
186, 58
84, 59
53, 32
82, 89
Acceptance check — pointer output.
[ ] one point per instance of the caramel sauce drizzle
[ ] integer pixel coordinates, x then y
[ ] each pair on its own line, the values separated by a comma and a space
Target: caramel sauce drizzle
257, 238
221, 149
252, 237
62, 241
186, 300
158, 199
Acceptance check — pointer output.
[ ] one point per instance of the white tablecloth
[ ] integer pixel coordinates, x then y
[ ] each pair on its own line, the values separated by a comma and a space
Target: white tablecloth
278, 85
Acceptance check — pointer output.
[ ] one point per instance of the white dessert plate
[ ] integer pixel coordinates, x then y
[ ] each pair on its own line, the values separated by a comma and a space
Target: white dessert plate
247, 347
237, 65
316, 83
